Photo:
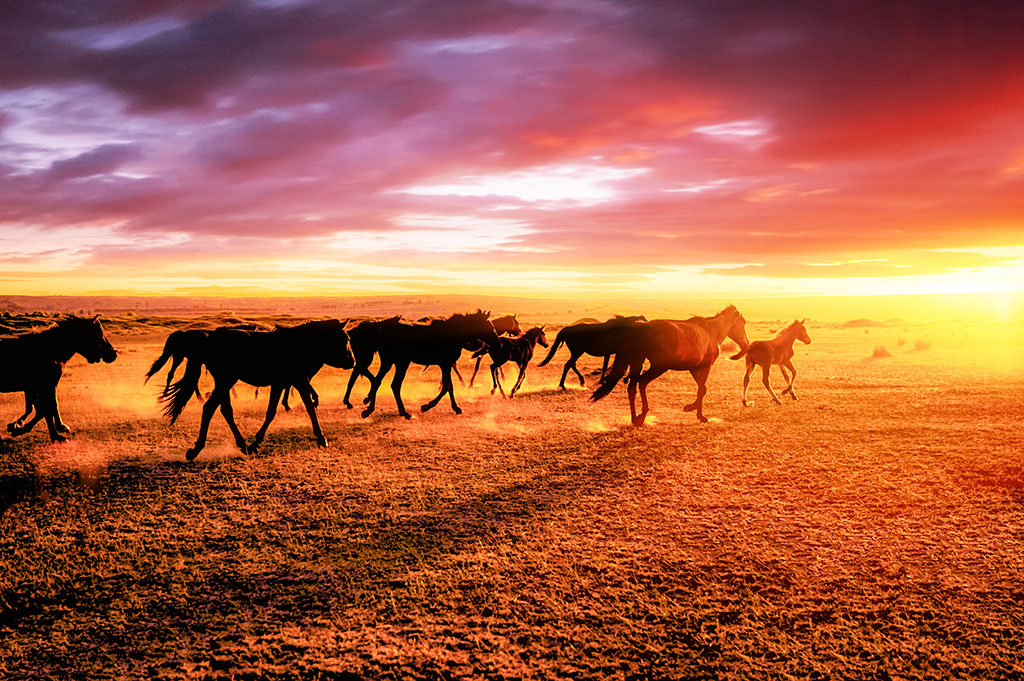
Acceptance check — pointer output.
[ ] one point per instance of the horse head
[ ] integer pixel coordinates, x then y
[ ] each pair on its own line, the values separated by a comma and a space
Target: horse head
536, 334
737, 329
801, 331
338, 353
87, 338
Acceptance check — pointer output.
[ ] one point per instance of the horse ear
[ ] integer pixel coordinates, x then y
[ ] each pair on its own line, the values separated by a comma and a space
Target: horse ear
95, 317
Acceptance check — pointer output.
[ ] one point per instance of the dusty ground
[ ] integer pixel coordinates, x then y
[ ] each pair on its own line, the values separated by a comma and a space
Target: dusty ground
874, 529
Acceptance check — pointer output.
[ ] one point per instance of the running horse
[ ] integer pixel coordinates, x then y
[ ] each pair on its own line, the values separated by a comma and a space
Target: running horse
600, 339
33, 363
365, 339
518, 350
779, 350
438, 343
687, 345
285, 356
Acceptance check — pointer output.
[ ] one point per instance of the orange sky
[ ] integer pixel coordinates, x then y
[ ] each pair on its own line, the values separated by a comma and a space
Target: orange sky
581, 148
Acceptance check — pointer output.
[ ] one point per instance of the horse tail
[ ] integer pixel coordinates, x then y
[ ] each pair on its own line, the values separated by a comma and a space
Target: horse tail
559, 339
177, 396
741, 353
611, 379
161, 360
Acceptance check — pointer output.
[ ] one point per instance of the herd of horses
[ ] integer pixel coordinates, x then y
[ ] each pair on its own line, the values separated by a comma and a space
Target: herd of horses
287, 358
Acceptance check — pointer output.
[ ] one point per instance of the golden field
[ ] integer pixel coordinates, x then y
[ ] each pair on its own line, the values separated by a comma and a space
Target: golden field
872, 529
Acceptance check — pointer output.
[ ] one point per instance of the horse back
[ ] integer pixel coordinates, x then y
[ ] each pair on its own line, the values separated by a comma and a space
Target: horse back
681, 345
25, 365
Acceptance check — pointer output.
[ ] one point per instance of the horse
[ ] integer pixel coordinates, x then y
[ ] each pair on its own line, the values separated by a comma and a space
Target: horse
438, 343
285, 356
779, 350
364, 339
33, 363
600, 339
518, 350
688, 345
506, 325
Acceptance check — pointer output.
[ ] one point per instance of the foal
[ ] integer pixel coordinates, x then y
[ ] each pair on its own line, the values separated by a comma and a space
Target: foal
518, 350
779, 351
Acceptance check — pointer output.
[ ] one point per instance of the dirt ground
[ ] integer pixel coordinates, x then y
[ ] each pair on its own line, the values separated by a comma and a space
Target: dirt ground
872, 529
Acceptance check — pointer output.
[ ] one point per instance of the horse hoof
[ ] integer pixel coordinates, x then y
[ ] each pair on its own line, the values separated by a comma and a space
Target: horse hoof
690, 407
367, 412
321, 442
424, 407
63, 430
348, 405
702, 419
287, 408
406, 415
457, 410
191, 454
252, 449
366, 400
58, 438
11, 427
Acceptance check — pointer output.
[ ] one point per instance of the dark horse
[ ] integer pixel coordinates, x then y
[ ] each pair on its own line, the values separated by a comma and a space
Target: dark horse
600, 339
34, 362
518, 350
438, 343
179, 345
687, 345
506, 325
365, 338
286, 356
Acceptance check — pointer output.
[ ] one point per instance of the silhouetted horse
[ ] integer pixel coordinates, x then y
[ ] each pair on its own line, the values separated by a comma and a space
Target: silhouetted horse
506, 325
779, 350
518, 350
33, 363
688, 345
365, 339
438, 343
600, 339
286, 356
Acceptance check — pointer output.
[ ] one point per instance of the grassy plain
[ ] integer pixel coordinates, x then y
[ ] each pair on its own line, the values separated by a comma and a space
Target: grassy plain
873, 529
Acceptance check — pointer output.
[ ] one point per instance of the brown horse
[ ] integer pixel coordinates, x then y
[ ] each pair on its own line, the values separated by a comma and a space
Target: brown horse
286, 356
600, 339
779, 350
518, 350
438, 343
687, 345
33, 363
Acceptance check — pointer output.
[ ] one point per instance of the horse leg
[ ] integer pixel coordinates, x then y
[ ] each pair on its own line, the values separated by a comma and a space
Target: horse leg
476, 369
58, 424
496, 379
642, 381
701, 377
21, 419
746, 378
445, 384
572, 362
356, 371
284, 401
455, 370
604, 367
275, 397
16, 429
46, 404
519, 380
306, 393
765, 371
228, 412
396, 388
792, 378
451, 388
371, 397
212, 402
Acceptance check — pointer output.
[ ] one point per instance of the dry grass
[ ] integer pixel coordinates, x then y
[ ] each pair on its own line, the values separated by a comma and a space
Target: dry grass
870, 530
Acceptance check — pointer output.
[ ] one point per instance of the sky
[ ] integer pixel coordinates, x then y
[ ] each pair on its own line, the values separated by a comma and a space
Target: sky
558, 148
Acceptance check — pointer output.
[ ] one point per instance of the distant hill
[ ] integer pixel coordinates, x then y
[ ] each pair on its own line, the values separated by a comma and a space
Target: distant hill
862, 323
